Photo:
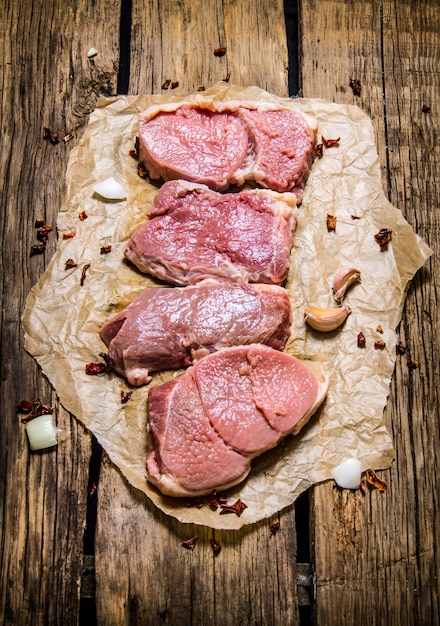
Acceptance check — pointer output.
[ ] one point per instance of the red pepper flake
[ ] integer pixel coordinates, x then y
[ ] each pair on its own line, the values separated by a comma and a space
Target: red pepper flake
412, 364
84, 273
39, 248
134, 155
216, 547
105, 249
166, 84
217, 500
374, 480
125, 396
319, 150
70, 264
355, 85
83, 216
238, 507
69, 235
379, 329
331, 223
49, 135
379, 345
190, 543
70, 135
361, 341
93, 490
328, 143
43, 232
274, 527
95, 369
33, 409
220, 52
400, 348
174, 84
383, 238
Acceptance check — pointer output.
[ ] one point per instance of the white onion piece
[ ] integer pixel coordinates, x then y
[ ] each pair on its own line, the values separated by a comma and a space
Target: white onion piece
92, 53
41, 432
348, 474
110, 189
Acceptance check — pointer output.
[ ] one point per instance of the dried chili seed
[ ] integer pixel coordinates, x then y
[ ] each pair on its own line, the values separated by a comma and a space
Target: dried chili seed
49, 135
43, 232
190, 543
331, 223
361, 341
379, 345
39, 223
220, 52
274, 527
105, 249
383, 238
69, 235
70, 264
24, 406
37, 249
328, 143
400, 348
125, 396
83, 215
374, 480
216, 547
412, 364
319, 150
166, 84
355, 85
84, 274
94, 369
238, 507
174, 84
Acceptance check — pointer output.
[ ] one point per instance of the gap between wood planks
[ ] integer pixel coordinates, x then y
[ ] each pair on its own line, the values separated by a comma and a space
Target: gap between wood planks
304, 575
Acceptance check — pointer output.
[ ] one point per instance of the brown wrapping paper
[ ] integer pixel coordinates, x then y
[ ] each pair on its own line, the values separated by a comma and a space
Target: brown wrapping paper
62, 318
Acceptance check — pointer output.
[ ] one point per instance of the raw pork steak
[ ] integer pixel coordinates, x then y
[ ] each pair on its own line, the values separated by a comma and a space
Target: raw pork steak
224, 143
194, 234
206, 425
169, 328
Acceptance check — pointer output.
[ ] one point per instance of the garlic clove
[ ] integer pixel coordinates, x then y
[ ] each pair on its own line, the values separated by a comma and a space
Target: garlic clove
326, 320
110, 189
348, 474
342, 281
41, 432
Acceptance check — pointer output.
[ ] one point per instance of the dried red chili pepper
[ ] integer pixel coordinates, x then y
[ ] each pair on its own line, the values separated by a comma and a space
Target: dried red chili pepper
39, 248
328, 143
361, 341
216, 547
125, 396
105, 249
83, 216
355, 85
412, 364
43, 232
24, 406
216, 500
134, 155
379, 345
70, 264
48, 134
383, 238
238, 507
374, 480
379, 329
331, 223
190, 543
220, 52
69, 235
33, 409
95, 369
84, 274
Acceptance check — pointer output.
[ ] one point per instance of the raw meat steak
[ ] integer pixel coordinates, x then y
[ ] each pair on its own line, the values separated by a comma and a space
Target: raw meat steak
206, 425
225, 143
169, 328
194, 234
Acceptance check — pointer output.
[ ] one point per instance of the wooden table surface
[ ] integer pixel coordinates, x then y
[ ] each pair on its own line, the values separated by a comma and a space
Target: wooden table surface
73, 554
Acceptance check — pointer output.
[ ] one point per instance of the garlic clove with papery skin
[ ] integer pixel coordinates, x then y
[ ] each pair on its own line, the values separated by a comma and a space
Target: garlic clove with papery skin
325, 320
348, 474
342, 281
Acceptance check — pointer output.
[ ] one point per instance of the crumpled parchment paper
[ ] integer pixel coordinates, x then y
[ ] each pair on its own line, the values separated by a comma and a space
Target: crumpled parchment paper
62, 318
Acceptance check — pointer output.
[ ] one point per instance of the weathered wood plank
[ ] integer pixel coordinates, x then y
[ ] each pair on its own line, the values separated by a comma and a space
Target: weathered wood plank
47, 81
375, 555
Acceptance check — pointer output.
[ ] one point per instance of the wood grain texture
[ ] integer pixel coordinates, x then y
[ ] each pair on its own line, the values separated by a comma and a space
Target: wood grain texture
46, 81
375, 556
